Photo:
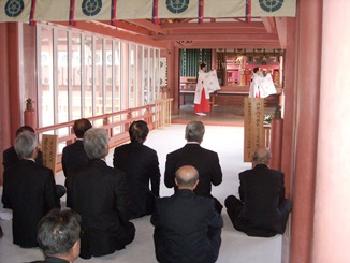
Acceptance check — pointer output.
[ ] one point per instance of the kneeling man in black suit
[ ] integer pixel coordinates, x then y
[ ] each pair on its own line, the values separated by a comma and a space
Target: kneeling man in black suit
205, 161
187, 226
262, 209
99, 193
140, 163
29, 190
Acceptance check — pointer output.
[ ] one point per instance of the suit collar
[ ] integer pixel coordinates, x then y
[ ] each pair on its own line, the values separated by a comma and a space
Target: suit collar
192, 145
260, 166
97, 161
183, 192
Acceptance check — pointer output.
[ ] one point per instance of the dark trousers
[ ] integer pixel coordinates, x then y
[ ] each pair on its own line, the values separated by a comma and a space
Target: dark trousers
95, 243
214, 236
234, 207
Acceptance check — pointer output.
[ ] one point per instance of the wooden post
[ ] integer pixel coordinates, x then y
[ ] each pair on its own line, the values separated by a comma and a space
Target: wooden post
49, 149
254, 134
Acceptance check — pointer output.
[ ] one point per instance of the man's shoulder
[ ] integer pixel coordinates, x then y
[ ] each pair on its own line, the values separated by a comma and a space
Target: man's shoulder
9, 153
74, 146
149, 149
122, 148
9, 150
176, 152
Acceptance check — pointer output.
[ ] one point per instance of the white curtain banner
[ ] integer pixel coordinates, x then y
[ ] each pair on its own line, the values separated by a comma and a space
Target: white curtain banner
273, 7
224, 8
52, 10
15, 10
178, 8
134, 9
93, 9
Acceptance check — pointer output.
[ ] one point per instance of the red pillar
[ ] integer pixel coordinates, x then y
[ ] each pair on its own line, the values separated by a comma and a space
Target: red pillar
13, 64
332, 213
9, 86
306, 106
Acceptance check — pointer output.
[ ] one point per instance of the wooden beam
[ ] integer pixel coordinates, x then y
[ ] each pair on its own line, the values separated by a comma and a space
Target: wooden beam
217, 31
124, 25
217, 25
281, 26
229, 44
115, 32
219, 37
269, 24
147, 25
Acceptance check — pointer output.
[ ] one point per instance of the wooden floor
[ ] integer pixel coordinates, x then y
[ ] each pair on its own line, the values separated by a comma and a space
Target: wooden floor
229, 116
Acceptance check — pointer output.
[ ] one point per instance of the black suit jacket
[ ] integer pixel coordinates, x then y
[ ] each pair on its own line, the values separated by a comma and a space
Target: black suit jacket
73, 157
9, 158
30, 190
99, 193
184, 226
262, 191
140, 163
205, 161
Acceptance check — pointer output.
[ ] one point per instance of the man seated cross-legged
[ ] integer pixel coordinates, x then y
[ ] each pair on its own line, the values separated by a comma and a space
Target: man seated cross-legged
99, 193
187, 226
262, 209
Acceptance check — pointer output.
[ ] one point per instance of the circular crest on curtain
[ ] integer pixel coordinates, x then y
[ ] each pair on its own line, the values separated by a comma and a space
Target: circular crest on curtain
14, 7
271, 5
91, 7
177, 6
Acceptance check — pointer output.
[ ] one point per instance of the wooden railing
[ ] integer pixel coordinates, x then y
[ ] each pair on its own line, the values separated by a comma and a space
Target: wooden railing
116, 124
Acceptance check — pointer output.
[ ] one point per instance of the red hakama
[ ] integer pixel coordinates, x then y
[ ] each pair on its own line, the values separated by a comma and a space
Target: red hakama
204, 106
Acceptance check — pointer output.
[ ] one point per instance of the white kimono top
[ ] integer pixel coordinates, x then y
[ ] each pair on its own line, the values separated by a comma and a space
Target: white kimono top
207, 81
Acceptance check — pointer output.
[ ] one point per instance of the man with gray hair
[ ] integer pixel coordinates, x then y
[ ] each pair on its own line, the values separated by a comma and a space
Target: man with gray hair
99, 193
29, 190
205, 161
262, 209
187, 226
59, 236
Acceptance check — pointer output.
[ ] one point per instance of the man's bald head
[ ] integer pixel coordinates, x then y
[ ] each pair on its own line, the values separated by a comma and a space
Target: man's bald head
186, 177
261, 156
81, 126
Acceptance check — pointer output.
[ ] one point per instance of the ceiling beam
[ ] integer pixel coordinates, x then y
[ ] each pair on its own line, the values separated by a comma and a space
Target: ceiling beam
217, 25
217, 30
123, 25
147, 25
114, 32
229, 44
218, 37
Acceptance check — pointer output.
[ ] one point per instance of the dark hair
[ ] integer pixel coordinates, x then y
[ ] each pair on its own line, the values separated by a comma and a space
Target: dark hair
138, 131
195, 131
255, 70
81, 126
58, 231
24, 128
202, 65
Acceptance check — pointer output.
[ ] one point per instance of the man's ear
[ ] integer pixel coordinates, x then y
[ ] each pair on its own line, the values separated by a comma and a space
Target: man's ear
75, 250
176, 182
196, 183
